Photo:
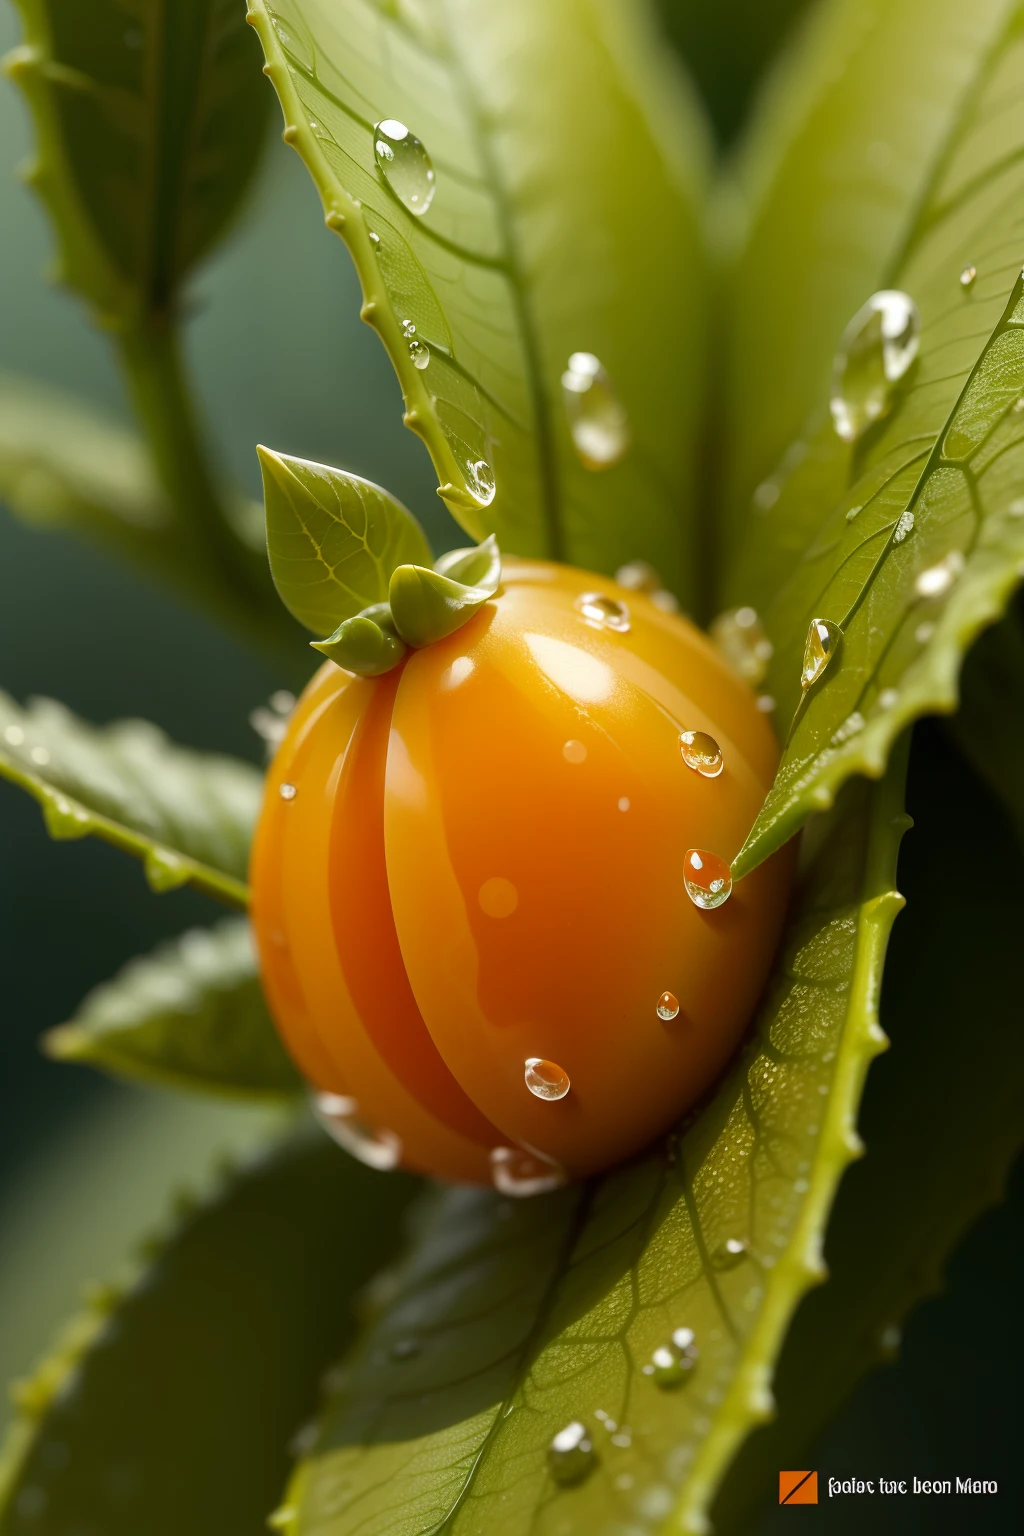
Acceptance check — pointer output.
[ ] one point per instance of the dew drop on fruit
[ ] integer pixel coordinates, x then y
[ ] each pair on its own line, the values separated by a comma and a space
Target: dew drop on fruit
967, 276
574, 752
420, 354
597, 419
672, 1364
546, 1079
823, 640
498, 897
571, 1454
606, 612
339, 1116
707, 879
741, 638
288, 791
668, 1006
875, 351
521, 1173
937, 579
404, 164
730, 1253
702, 753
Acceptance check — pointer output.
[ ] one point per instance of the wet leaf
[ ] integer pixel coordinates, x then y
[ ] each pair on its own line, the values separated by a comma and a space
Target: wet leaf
912, 539
518, 134
149, 123
510, 1320
189, 1015
169, 1405
187, 815
333, 539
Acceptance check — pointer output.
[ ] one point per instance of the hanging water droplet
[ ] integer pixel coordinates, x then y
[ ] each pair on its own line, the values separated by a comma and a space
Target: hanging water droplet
875, 351
545, 1079
339, 1116
597, 420
420, 354
520, 1173
480, 480
904, 527
702, 753
668, 1006
938, 579
730, 1253
404, 165
571, 1454
672, 1364
707, 878
741, 638
967, 276
288, 791
607, 612
823, 640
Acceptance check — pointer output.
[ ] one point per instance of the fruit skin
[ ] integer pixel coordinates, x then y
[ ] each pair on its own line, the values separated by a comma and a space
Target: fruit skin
483, 862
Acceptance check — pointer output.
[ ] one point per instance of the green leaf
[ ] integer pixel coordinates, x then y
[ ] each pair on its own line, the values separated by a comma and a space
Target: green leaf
149, 122
560, 150
367, 644
333, 539
824, 197
912, 540
511, 1320
429, 605
940, 1142
190, 1015
988, 727
187, 815
168, 1407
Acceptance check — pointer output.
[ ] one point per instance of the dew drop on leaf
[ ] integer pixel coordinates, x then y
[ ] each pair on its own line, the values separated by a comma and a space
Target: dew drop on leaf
545, 1079
420, 354
702, 753
668, 1006
823, 640
571, 1454
707, 879
875, 351
903, 528
937, 579
967, 276
606, 612
730, 1253
479, 480
597, 419
741, 638
672, 1364
404, 164
339, 1116
520, 1173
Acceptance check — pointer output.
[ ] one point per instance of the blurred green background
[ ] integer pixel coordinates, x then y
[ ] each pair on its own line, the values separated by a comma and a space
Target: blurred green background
281, 357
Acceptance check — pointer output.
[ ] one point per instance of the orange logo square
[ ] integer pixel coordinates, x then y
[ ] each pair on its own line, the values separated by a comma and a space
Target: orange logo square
798, 1487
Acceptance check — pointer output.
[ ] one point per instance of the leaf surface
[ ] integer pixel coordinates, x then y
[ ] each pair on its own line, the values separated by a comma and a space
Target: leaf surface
169, 1405
188, 815
333, 539
544, 123
912, 541
189, 1015
988, 727
511, 1320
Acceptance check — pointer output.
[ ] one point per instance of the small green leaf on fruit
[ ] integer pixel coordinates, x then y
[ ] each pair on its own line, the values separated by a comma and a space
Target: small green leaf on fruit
365, 644
428, 605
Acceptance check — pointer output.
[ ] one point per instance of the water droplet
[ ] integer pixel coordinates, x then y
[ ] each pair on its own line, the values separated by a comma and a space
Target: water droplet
823, 639
923, 633
408, 329
730, 1253
404, 165
339, 1116
638, 576
623, 802
574, 752
665, 600
707, 879
282, 701
571, 1454
875, 351
498, 897
545, 1079
14, 735
597, 420
288, 791
668, 1006
903, 528
853, 512
420, 354
766, 495
888, 698
520, 1172
702, 753
480, 480
765, 703
938, 579
269, 726
672, 1364
374, 237
405, 1349
967, 276
40, 756
606, 612
741, 638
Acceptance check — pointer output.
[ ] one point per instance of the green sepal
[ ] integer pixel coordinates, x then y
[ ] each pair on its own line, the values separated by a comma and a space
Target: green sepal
365, 644
428, 605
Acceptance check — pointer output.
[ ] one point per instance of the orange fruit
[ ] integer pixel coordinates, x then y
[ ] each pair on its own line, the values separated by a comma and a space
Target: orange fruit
470, 885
